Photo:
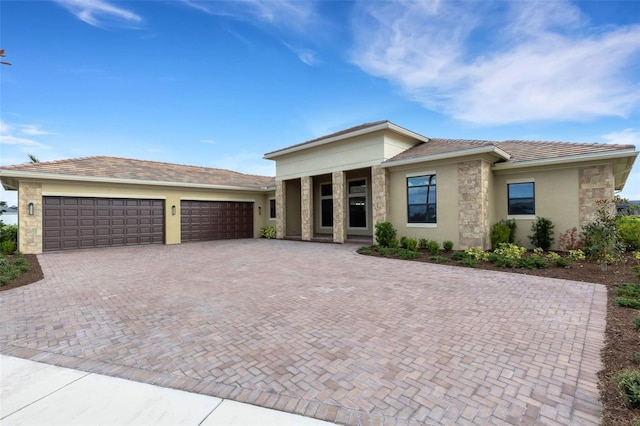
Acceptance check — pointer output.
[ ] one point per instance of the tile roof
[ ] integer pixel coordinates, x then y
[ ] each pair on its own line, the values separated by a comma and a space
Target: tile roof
125, 168
518, 150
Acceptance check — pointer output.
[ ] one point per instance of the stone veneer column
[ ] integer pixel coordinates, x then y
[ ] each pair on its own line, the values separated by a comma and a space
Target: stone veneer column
595, 183
281, 208
380, 194
30, 226
339, 218
306, 208
473, 204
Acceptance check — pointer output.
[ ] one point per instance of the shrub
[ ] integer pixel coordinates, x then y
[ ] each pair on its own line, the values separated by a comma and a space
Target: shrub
469, 261
601, 238
500, 234
628, 290
439, 259
9, 233
625, 302
447, 245
11, 269
476, 253
532, 262
628, 382
636, 357
365, 250
409, 243
629, 229
561, 262
268, 232
636, 323
386, 234
459, 255
570, 240
542, 235
576, 255
433, 247
7, 247
407, 254
501, 260
511, 251
422, 243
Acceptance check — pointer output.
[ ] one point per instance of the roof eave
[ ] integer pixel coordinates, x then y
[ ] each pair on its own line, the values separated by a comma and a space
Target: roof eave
609, 155
499, 153
378, 127
20, 174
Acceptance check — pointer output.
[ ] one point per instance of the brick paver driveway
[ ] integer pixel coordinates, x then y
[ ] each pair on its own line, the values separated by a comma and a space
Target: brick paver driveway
319, 330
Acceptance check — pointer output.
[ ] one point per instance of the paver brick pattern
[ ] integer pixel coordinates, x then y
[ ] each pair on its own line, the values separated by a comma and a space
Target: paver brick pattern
318, 330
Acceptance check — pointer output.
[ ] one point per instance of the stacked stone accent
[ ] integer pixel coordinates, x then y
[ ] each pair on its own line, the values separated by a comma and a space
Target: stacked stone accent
595, 183
306, 198
473, 204
281, 215
380, 194
30, 226
339, 228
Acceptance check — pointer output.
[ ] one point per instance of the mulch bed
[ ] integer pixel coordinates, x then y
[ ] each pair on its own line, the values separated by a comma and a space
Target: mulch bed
621, 339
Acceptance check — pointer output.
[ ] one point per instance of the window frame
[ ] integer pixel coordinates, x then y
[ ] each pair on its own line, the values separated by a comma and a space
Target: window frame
321, 199
364, 195
511, 215
272, 210
429, 174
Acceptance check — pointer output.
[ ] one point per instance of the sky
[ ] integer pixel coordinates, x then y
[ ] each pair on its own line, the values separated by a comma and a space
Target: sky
219, 84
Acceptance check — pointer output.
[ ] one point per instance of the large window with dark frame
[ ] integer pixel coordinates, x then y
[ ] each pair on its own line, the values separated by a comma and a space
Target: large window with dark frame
326, 205
421, 199
357, 203
521, 198
272, 208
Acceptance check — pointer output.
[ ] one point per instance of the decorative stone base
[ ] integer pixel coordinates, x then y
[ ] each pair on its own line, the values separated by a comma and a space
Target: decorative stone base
473, 204
30, 226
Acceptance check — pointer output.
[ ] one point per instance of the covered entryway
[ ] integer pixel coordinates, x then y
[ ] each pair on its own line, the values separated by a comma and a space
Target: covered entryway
215, 220
84, 222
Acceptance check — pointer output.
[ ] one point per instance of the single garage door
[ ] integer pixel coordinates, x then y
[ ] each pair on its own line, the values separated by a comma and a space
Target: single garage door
215, 220
82, 222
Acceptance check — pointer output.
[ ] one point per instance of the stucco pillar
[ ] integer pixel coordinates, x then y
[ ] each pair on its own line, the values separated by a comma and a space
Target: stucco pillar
595, 183
339, 214
30, 226
306, 207
281, 210
473, 204
381, 195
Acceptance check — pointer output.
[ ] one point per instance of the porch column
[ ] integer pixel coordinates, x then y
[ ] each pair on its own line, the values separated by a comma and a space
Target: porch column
306, 207
30, 225
281, 208
339, 217
473, 204
380, 194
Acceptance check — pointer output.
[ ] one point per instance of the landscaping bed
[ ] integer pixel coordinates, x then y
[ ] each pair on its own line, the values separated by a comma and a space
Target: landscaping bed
32, 275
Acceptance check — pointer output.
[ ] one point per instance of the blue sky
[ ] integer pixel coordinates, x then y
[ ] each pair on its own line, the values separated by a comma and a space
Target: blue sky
219, 84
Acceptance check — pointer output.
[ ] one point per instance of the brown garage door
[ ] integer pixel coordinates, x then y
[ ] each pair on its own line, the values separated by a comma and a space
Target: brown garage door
215, 220
82, 222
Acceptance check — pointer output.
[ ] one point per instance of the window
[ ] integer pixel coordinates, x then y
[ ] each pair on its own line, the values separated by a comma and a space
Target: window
357, 203
326, 205
272, 208
421, 199
521, 198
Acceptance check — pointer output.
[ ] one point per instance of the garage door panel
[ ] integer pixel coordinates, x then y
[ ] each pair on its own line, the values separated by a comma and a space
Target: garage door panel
211, 220
83, 222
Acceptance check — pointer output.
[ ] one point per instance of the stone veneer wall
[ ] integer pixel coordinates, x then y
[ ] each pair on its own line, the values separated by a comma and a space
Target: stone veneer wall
339, 229
306, 197
381, 194
30, 227
595, 183
281, 215
473, 204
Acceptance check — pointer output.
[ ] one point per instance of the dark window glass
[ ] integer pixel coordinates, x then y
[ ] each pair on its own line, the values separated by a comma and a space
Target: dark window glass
421, 199
358, 212
358, 187
327, 212
272, 209
521, 198
326, 190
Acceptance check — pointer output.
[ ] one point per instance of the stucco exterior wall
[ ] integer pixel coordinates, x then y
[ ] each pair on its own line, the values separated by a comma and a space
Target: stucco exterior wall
446, 199
293, 208
556, 198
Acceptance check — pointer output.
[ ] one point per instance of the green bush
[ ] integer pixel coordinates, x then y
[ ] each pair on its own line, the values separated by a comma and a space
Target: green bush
501, 260
601, 237
542, 235
447, 245
625, 302
469, 261
533, 262
576, 255
511, 251
11, 269
636, 357
365, 250
433, 247
267, 232
476, 253
629, 383
459, 255
8, 239
629, 229
7, 247
407, 254
409, 243
628, 290
561, 262
386, 234
636, 323
422, 243
439, 259
503, 232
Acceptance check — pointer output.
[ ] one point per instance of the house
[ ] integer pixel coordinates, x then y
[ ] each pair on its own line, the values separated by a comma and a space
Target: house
335, 187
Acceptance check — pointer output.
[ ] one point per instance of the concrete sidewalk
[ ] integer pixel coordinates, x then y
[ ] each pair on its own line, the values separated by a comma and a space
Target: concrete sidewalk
32, 393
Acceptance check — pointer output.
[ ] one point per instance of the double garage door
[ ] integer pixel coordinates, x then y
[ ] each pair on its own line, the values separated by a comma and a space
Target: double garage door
82, 222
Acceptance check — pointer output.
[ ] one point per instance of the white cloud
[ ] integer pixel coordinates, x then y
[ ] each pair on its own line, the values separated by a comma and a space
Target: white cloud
100, 13
208, 141
286, 13
482, 64
305, 55
21, 142
34, 130
624, 137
